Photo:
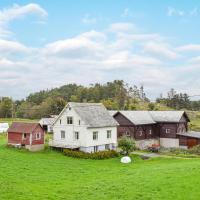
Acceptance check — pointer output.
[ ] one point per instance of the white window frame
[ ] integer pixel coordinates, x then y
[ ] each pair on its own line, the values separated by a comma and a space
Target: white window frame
69, 118
62, 132
141, 132
76, 135
38, 138
109, 134
150, 131
95, 135
24, 134
167, 130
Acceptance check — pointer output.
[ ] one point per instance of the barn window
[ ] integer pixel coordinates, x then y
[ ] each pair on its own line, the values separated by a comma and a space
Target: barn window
62, 134
24, 136
69, 120
108, 134
150, 132
95, 135
141, 132
38, 136
128, 134
167, 130
76, 135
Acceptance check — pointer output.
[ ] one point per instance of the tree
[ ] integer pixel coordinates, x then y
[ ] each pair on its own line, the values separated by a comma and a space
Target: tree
126, 144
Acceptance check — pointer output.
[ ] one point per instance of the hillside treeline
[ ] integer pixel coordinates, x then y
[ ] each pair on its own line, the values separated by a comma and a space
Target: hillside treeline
114, 95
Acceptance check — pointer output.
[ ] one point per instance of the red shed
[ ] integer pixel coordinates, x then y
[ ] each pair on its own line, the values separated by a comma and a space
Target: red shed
28, 135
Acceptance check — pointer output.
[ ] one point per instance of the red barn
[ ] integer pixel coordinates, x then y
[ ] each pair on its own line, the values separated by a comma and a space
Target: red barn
28, 135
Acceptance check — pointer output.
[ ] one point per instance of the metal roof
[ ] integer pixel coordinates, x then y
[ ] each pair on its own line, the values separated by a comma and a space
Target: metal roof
94, 114
150, 117
22, 127
193, 134
166, 116
138, 117
47, 121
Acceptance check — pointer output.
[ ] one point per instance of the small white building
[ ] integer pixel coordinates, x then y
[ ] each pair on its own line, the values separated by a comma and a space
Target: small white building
47, 123
3, 127
87, 127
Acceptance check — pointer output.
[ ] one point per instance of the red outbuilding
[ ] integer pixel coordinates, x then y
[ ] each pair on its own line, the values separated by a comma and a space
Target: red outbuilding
28, 135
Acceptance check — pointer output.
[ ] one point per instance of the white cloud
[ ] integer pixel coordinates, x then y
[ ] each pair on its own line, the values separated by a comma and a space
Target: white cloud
171, 11
87, 19
126, 13
189, 47
160, 49
122, 27
16, 12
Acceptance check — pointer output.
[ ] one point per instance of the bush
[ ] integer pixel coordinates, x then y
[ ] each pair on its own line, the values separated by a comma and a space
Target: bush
195, 150
126, 144
100, 155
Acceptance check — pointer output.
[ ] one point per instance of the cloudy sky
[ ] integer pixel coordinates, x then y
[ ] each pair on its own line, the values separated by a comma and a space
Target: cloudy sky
45, 44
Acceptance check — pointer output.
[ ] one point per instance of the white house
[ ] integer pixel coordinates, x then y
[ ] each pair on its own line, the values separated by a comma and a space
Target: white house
85, 126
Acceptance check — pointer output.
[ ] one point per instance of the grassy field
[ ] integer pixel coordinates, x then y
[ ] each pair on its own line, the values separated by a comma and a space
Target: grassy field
50, 175
10, 120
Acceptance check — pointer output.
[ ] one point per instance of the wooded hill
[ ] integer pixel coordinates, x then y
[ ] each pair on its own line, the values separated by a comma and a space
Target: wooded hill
114, 95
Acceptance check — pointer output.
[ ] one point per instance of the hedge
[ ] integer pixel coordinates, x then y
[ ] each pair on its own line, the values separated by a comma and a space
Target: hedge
100, 155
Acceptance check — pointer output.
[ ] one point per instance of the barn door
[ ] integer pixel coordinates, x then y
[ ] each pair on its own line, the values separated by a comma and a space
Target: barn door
191, 142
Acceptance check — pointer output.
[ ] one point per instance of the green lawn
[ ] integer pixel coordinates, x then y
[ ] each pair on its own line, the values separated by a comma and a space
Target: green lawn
50, 175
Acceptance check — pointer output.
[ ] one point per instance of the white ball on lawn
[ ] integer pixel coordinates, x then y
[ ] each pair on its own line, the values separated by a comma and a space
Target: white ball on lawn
125, 159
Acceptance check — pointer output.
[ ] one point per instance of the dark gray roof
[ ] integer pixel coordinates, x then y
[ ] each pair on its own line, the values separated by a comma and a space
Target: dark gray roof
193, 134
93, 114
166, 116
138, 117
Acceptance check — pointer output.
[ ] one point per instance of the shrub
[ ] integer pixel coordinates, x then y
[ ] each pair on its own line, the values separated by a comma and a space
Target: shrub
100, 155
195, 150
126, 144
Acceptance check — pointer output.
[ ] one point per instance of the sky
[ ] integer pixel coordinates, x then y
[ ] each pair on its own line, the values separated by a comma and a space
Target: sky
46, 44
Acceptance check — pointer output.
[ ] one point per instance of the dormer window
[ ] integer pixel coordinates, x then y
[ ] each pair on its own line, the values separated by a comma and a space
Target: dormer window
69, 120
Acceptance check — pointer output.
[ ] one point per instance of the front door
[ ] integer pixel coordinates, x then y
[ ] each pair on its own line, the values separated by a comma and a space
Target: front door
192, 142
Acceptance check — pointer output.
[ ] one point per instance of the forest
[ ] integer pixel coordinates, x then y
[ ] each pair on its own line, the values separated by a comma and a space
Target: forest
114, 95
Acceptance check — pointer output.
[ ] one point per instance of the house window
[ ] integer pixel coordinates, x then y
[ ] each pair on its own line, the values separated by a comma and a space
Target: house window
24, 136
76, 135
95, 148
107, 146
167, 130
69, 120
62, 134
95, 135
69, 108
60, 121
79, 122
38, 136
108, 134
